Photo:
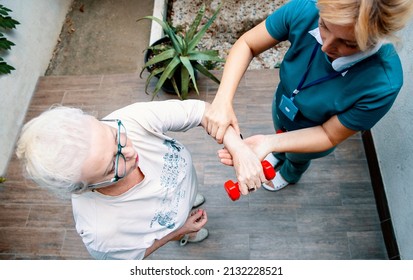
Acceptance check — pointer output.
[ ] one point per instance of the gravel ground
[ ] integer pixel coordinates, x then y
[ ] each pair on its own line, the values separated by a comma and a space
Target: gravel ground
235, 18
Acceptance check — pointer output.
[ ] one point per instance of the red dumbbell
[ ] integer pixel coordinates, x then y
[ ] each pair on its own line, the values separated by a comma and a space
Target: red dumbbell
233, 188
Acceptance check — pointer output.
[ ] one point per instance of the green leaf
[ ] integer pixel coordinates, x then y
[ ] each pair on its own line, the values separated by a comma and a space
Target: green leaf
205, 72
195, 24
5, 68
2, 8
163, 24
194, 42
8, 22
176, 42
185, 61
3, 12
207, 55
168, 72
168, 54
152, 75
185, 82
175, 86
2, 179
5, 44
182, 49
169, 31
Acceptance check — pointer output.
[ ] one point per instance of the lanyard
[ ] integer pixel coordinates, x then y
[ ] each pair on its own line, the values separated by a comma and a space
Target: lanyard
318, 81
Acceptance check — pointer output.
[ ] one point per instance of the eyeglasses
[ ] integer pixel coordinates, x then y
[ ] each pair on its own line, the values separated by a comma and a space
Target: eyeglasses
120, 160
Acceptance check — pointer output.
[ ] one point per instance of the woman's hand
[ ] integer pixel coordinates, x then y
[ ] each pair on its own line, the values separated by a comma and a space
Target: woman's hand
257, 144
247, 167
253, 142
225, 157
218, 117
246, 156
196, 220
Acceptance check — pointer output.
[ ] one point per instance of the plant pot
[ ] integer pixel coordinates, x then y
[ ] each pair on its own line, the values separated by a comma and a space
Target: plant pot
149, 53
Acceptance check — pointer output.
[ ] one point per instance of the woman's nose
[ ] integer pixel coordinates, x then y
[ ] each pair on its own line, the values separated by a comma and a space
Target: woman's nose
128, 152
328, 44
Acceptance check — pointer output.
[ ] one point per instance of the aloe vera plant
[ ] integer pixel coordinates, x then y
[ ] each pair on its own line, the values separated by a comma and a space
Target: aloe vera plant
181, 54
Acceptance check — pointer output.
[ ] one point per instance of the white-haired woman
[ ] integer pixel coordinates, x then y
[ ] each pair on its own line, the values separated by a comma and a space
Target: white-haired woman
133, 187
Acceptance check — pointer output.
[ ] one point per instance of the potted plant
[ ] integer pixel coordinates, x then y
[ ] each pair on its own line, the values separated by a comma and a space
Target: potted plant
177, 57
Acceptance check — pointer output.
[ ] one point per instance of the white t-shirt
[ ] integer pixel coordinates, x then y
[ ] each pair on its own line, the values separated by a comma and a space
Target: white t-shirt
124, 226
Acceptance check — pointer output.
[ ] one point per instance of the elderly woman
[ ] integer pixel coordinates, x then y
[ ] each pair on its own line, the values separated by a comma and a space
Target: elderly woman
133, 187
340, 75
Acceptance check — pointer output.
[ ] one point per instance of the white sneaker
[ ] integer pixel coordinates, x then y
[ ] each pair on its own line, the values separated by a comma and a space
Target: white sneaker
200, 236
275, 184
199, 200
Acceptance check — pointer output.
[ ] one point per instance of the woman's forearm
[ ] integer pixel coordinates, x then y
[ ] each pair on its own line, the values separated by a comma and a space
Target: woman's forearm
299, 141
236, 64
173, 236
308, 140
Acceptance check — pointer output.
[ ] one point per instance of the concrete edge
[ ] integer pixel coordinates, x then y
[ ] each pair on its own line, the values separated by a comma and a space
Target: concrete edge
159, 11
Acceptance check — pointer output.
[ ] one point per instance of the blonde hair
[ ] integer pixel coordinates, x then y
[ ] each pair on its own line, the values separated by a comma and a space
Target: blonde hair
53, 147
374, 20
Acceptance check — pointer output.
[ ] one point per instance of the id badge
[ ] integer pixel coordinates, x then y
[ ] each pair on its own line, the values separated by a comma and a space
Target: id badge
288, 107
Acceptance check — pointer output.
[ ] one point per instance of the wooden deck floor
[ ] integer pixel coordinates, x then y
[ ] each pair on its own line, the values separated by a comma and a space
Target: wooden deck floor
330, 214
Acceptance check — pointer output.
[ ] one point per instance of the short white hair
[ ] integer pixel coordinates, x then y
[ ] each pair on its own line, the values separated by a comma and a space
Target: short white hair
53, 148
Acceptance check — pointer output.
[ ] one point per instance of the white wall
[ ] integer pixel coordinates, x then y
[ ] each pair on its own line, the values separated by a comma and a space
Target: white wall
393, 139
35, 37
159, 10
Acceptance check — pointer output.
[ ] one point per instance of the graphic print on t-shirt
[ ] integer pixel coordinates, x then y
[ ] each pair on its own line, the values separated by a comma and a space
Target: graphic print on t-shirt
173, 171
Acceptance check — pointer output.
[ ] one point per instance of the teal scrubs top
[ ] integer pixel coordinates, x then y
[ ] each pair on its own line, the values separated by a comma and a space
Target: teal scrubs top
360, 98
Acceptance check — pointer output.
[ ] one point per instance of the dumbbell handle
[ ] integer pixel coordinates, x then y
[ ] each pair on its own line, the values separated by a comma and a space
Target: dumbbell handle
233, 188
